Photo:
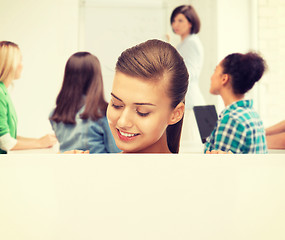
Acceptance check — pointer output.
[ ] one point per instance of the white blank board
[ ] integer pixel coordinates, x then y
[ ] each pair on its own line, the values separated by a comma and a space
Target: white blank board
108, 29
120, 196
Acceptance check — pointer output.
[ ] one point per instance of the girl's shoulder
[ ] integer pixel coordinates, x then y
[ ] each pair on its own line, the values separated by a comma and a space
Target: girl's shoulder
99, 123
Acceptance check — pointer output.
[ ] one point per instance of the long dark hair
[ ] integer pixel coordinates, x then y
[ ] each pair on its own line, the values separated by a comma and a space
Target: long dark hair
244, 70
155, 60
82, 85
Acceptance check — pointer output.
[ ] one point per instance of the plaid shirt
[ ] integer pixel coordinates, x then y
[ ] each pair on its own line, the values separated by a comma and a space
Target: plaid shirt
238, 129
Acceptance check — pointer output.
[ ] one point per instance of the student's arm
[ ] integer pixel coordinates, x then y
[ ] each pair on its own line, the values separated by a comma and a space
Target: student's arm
276, 141
46, 141
275, 129
6, 140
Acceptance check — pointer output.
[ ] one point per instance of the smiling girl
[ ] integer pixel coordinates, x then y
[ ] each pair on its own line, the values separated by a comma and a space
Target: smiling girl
147, 104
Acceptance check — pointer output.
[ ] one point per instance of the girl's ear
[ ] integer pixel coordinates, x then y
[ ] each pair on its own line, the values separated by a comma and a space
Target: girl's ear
177, 114
225, 78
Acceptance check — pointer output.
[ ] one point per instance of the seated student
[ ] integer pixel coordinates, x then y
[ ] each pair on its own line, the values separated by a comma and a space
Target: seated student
275, 136
147, 104
239, 128
10, 69
79, 118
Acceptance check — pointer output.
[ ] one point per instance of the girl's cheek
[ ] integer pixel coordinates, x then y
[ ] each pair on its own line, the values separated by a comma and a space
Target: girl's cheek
111, 116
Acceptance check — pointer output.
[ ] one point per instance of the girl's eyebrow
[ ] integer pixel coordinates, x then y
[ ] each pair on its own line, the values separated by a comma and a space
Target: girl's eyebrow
140, 104
149, 104
113, 95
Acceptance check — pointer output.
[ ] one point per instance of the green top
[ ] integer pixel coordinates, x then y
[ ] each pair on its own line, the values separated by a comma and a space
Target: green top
8, 117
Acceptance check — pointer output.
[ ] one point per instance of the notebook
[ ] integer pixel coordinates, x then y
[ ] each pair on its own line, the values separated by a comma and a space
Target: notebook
206, 118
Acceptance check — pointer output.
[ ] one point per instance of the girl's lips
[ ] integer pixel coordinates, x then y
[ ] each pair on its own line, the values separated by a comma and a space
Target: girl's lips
124, 136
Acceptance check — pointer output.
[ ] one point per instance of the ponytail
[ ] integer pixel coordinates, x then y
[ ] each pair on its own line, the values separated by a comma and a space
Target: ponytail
173, 133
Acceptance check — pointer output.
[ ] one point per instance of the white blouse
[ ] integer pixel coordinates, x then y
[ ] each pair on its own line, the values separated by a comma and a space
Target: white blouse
192, 51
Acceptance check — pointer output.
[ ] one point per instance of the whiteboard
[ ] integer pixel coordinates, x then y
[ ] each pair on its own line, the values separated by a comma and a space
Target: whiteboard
108, 28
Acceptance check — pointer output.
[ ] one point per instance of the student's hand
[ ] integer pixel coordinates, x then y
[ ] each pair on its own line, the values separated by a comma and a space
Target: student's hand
218, 152
47, 141
76, 152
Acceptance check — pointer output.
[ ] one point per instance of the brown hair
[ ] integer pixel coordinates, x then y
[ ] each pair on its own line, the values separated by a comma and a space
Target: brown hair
155, 60
189, 12
82, 78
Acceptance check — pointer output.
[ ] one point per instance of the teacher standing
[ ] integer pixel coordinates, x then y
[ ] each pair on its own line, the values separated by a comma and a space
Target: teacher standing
185, 22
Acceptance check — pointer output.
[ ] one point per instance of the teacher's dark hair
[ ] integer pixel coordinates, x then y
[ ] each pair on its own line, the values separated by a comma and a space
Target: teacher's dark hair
155, 60
189, 12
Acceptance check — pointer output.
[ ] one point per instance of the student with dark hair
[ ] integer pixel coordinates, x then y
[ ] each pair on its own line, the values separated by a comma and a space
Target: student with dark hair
79, 118
185, 22
239, 128
146, 110
10, 69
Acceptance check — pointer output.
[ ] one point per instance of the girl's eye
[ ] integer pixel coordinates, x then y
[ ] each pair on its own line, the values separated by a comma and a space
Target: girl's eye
142, 114
116, 106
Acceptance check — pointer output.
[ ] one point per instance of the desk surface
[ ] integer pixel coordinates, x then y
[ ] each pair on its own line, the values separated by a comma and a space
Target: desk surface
52, 150
193, 148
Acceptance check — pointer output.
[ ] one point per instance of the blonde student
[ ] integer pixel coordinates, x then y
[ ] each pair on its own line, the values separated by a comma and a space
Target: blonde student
10, 70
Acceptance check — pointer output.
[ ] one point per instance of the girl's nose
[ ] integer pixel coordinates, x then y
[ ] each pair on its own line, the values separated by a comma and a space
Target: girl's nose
125, 119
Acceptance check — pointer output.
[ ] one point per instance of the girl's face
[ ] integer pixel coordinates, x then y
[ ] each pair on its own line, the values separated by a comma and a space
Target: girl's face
216, 80
181, 25
138, 114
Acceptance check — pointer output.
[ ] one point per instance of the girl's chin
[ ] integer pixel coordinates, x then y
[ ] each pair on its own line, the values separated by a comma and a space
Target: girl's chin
127, 149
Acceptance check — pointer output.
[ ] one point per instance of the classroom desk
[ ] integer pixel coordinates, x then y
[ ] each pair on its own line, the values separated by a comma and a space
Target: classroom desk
194, 148
138, 196
52, 150
276, 151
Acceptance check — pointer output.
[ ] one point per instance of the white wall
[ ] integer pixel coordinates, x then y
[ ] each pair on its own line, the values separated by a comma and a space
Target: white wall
234, 26
47, 34
271, 39
107, 28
